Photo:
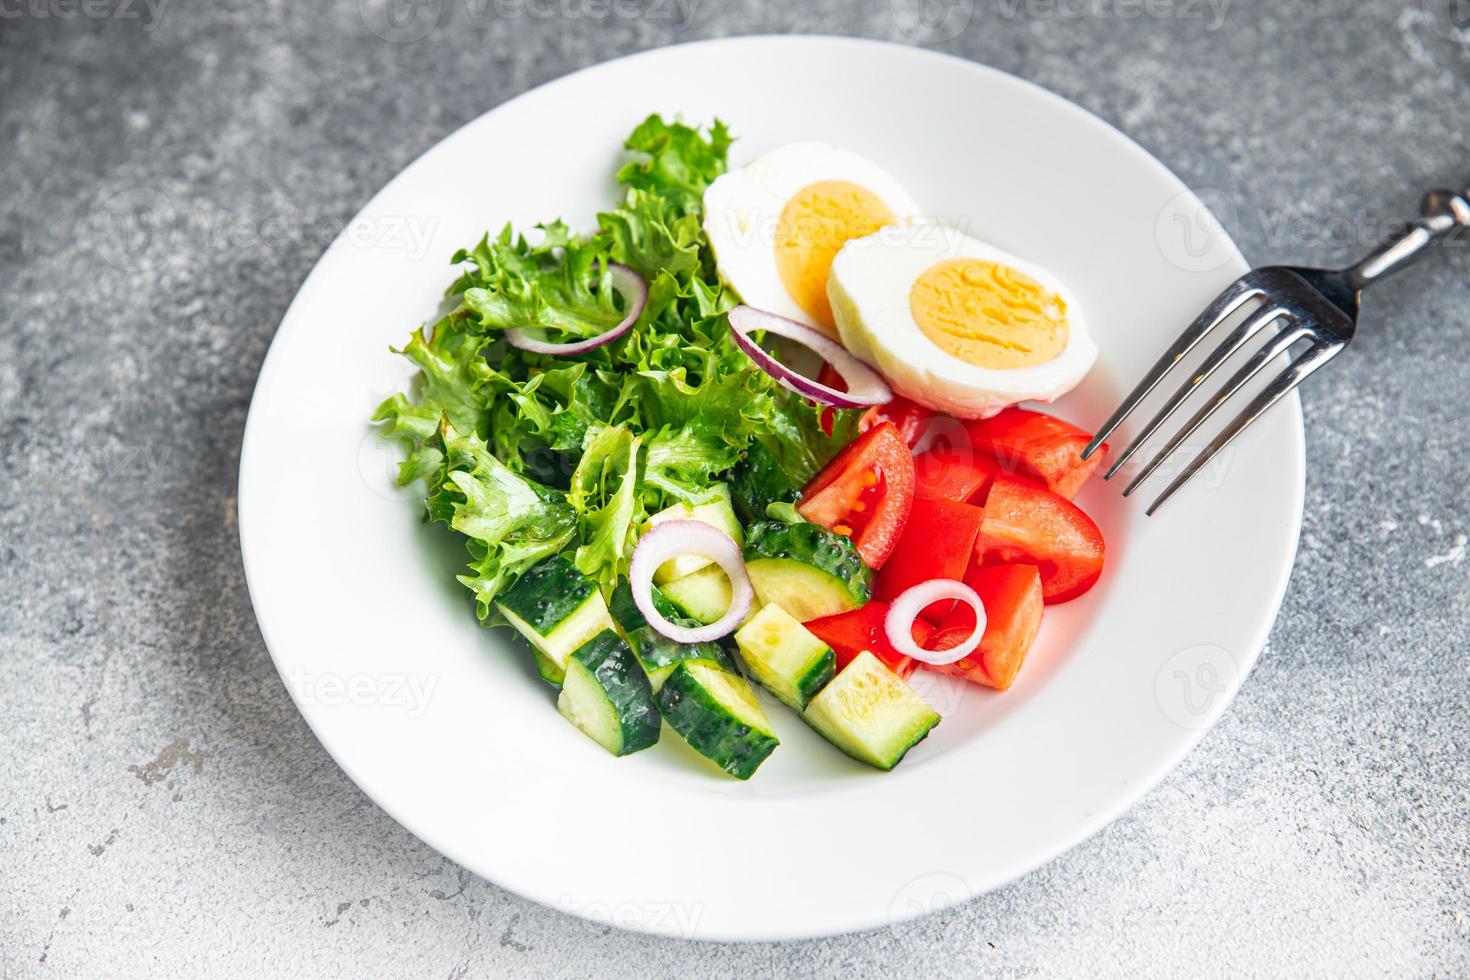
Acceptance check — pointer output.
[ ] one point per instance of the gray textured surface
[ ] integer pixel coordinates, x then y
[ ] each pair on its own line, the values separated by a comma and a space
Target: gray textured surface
165, 808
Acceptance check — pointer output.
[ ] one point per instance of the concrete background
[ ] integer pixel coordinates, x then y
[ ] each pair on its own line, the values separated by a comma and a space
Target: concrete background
164, 808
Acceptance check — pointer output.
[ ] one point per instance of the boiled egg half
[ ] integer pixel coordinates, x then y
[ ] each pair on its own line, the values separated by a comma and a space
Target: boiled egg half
776, 224
956, 324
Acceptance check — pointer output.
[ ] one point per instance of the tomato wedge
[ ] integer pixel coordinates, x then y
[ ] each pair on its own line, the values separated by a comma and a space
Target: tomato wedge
1013, 602
850, 633
1028, 524
1032, 444
865, 493
937, 542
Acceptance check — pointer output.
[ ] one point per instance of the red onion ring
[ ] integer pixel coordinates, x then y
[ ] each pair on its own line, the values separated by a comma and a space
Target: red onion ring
634, 290
671, 539
899, 625
865, 387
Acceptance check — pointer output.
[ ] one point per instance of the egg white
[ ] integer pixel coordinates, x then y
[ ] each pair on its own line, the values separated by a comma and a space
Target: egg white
869, 290
742, 210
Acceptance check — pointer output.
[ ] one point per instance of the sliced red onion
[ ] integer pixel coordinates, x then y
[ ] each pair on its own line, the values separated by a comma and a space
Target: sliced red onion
906, 608
672, 539
628, 283
865, 387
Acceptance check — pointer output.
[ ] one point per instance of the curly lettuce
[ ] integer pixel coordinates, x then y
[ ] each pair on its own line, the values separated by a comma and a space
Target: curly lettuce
527, 455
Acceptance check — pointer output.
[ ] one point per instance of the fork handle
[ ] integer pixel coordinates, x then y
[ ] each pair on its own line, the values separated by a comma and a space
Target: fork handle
1442, 215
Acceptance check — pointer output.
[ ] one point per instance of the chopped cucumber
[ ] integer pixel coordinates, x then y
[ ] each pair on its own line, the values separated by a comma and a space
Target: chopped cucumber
703, 596
627, 614
557, 609
759, 481
717, 714
784, 657
658, 654
717, 513
607, 696
805, 569
548, 669
869, 712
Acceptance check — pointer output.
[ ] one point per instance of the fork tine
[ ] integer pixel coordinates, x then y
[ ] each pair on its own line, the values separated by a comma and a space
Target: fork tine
1302, 368
1238, 338
1234, 296
1273, 349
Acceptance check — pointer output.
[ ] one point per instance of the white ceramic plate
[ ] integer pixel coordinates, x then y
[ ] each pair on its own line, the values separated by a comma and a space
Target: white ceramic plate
445, 725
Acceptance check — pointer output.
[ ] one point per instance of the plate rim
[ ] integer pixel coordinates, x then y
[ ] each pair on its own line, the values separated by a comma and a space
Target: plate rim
1140, 786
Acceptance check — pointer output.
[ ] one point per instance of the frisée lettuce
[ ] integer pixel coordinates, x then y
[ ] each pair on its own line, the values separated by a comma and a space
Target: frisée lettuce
526, 455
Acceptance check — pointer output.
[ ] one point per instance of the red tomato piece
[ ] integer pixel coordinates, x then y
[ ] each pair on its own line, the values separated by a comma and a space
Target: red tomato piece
865, 493
1013, 602
910, 418
1032, 444
937, 542
1031, 525
850, 633
953, 473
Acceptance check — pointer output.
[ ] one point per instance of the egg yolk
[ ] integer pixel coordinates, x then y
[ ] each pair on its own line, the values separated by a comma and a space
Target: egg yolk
989, 315
816, 222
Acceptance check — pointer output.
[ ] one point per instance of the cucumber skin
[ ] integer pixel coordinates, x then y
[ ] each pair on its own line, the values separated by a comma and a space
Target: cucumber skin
813, 545
547, 593
706, 725
652, 648
625, 611
547, 668
622, 678
759, 481
656, 650
864, 759
808, 686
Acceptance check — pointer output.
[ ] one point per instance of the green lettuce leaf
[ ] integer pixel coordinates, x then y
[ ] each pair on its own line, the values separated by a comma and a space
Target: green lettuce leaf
604, 495
510, 523
559, 288
678, 163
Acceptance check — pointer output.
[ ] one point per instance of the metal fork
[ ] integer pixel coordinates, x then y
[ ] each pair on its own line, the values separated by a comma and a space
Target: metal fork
1316, 305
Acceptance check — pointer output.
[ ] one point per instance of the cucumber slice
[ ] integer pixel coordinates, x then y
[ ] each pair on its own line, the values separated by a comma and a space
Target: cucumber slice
805, 569
784, 658
703, 596
658, 654
548, 669
557, 609
869, 712
628, 616
717, 714
717, 512
759, 481
607, 696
